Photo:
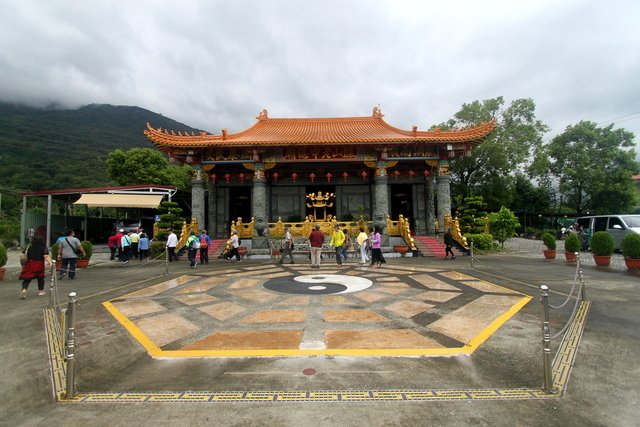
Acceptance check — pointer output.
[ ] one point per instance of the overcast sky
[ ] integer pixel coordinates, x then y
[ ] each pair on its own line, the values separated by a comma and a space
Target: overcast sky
216, 64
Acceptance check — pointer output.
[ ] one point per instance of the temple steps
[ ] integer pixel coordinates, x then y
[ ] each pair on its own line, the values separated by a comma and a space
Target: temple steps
433, 246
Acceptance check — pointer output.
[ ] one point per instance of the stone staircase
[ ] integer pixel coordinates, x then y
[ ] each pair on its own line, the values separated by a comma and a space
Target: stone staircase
216, 248
433, 246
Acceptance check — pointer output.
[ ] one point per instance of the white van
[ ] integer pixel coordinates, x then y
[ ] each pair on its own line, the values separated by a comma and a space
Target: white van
616, 225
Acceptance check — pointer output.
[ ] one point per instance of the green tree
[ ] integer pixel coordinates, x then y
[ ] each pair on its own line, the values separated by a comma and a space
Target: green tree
527, 197
170, 219
488, 171
594, 167
503, 225
472, 215
145, 166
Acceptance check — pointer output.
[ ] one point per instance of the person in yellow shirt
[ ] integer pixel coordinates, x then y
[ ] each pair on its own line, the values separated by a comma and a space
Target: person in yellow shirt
337, 241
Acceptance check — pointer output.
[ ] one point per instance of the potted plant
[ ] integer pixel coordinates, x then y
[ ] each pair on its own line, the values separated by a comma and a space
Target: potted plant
602, 246
83, 260
549, 240
571, 246
3, 260
630, 247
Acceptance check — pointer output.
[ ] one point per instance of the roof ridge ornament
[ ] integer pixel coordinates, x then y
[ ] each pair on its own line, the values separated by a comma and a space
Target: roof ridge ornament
377, 113
264, 115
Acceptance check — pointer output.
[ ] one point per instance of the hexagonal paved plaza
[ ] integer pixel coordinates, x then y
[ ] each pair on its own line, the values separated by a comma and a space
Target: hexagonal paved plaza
293, 310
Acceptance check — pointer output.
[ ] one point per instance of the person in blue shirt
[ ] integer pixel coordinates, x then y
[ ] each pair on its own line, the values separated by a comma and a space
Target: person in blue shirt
143, 247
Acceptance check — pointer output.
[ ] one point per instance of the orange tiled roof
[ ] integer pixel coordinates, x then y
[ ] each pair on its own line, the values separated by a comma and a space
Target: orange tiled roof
343, 130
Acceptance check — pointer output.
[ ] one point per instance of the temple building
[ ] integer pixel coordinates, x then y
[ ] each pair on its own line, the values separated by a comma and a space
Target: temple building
319, 169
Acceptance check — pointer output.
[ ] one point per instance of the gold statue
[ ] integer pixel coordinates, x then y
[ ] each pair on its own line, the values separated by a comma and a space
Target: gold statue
319, 200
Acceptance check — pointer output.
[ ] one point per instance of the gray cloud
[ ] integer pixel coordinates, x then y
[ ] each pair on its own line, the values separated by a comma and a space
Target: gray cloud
216, 64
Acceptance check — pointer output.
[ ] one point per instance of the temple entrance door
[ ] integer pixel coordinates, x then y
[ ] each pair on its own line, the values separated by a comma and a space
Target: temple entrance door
240, 204
320, 213
401, 202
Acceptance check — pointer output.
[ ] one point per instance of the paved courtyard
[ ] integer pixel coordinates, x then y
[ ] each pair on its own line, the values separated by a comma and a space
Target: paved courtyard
293, 310
462, 342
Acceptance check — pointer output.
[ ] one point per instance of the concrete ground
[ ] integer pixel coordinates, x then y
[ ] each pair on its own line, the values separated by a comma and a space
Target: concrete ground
602, 389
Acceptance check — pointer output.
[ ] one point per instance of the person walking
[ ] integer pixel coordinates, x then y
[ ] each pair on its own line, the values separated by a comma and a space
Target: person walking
205, 242
376, 252
347, 244
337, 241
125, 243
112, 243
362, 240
37, 255
172, 242
134, 236
316, 240
287, 246
234, 243
119, 235
68, 254
143, 246
193, 244
448, 242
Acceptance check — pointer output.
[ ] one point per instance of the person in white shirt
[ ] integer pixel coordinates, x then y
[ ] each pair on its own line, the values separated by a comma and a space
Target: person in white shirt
172, 242
362, 240
287, 246
233, 241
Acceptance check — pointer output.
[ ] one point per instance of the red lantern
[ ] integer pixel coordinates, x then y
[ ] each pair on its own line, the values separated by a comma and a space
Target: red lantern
411, 174
312, 176
396, 174
241, 176
426, 173
329, 176
364, 175
345, 176
213, 177
227, 177
275, 176
294, 176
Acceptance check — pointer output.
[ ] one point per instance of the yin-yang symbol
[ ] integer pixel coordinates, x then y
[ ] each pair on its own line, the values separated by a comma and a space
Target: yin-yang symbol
319, 284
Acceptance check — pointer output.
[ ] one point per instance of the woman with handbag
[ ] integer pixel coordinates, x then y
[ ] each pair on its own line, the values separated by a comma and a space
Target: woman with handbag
37, 255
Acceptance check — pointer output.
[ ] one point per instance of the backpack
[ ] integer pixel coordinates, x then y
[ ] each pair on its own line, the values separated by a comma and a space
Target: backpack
195, 243
239, 240
203, 243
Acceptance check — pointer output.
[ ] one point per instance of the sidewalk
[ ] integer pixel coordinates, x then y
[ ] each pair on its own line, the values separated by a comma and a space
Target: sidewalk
111, 360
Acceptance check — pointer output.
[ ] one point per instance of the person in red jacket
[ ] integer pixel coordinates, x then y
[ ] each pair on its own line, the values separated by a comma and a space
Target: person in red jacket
112, 242
316, 240
118, 245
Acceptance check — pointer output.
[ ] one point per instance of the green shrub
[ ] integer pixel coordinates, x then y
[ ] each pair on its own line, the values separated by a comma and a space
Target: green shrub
572, 243
481, 241
549, 240
3, 256
157, 248
88, 249
54, 250
531, 232
630, 246
601, 243
539, 233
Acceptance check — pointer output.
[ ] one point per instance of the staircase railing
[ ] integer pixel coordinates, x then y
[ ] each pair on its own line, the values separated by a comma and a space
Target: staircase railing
454, 225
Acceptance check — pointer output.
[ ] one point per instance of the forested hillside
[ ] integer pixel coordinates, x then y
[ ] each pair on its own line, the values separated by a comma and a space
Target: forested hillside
42, 149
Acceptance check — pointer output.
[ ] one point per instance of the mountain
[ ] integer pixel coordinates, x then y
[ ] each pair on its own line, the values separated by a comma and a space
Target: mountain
47, 149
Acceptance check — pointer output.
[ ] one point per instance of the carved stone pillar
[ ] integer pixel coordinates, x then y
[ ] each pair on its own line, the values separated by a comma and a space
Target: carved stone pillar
213, 208
259, 201
444, 195
197, 197
430, 208
380, 196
